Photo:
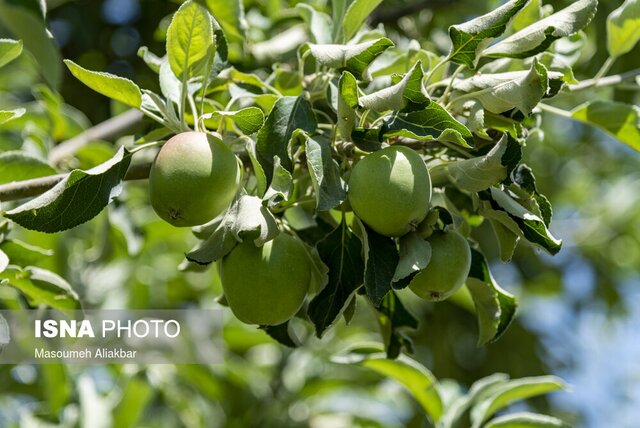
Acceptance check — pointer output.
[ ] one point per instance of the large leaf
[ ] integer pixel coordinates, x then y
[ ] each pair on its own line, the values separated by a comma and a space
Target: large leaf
79, 197
514, 390
287, 115
9, 50
419, 381
354, 58
394, 319
470, 38
328, 185
406, 95
109, 85
319, 23
347, 104
431, 123
341, 252
537, 37
623, 28
526, 420
482, 172
230, 16
495, 308
357, 12
381, 260
41, 286
249, 120
415, 254
26, 25
502, 92
620, 120
189, 38
7, 115
19, 165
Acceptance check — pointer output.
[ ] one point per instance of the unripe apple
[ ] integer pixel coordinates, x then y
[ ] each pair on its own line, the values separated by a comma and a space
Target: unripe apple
390, 190
266, 285
448, 268
193, 179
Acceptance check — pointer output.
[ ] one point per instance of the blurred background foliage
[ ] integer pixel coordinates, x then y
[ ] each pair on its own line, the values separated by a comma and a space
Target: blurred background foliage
579, 310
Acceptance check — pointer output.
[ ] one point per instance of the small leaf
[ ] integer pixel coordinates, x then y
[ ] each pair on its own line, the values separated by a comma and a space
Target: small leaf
507, 240
189, 38
109, 85
431, 123
134, 398
480, 173
406, 95
281, 185
7, 115
526, 420
249, 120
261, 178
415, 254
9, 50
218, 245
623, 28
319, 23
79, 197
394, 319
357, 12
381, 260
353, 58
23, 254
537, 37
495, 307
532, 227
620, 120
151, 59
42, 287
341, 252
287, 115
230, 15
18, 166
328, 185
470, 38
4, 261
283, 334
419, 381
514, 390
347, 104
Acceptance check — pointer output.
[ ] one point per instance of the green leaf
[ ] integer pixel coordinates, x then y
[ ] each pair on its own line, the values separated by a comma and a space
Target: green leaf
258, 172
23, 254
341, 252
431, 123
419, 381
415, 254
537, 37
507, 240
623, 28
328, 185
319, 23
532, 227
394, 319
357, 12
287, 115
381, 260
470, 39
230, 16
406, 95
480, 173
526, 420
281, 185
502, 92
152, 60
189, 38
134, 398
18, 166
41, 286
4, 261
354, 58
79, 197
514, 390
109, 85
524, 178
622, 121
9, 50
347, 104
495, 307
529, 14
7, 115
283, 334
26, 25
249, 120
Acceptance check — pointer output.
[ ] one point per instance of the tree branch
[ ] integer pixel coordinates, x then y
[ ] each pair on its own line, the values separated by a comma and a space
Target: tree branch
36, 186
107, 129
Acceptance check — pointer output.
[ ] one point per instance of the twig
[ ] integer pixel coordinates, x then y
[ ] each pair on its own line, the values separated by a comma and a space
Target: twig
605, 81
36, 186
109, 128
